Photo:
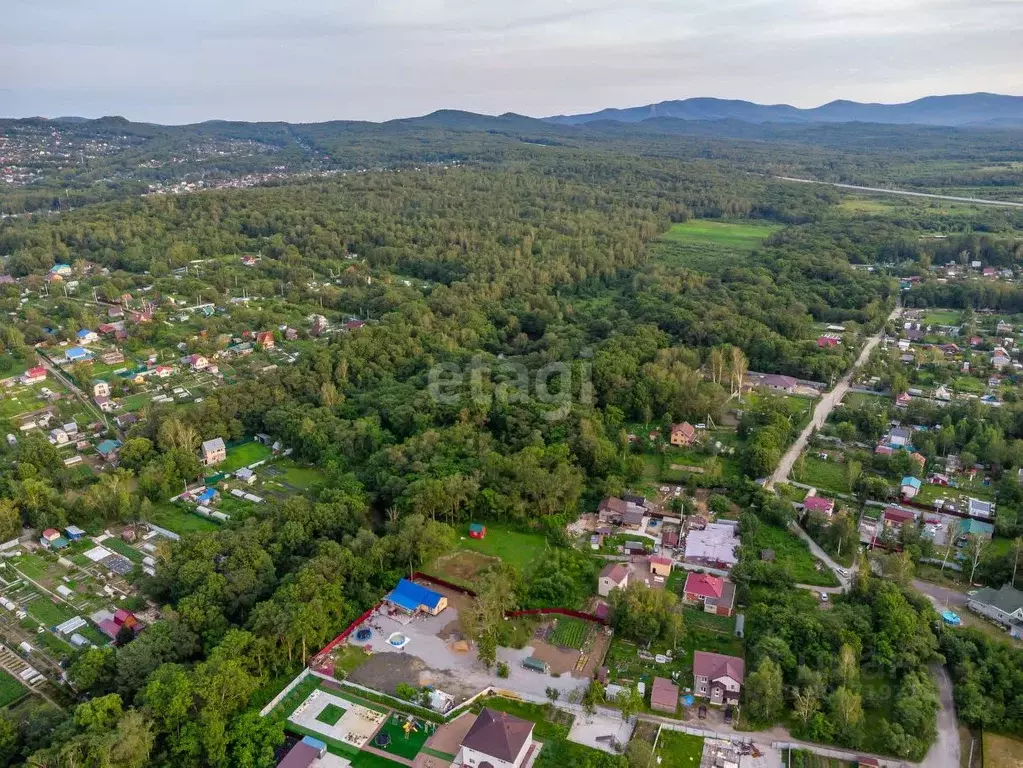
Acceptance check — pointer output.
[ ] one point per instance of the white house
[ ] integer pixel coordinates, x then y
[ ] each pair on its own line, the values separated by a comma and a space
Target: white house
613, 576
100, 389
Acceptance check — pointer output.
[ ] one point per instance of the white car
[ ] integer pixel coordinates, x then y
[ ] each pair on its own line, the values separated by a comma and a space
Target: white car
824, 597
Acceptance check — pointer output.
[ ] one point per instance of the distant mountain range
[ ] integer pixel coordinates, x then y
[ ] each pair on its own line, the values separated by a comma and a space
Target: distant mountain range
988, 109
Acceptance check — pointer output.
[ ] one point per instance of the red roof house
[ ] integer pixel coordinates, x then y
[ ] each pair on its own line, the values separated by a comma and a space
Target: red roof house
896, 516
828, 341
715, 594
820, 504
265, 339
682, 434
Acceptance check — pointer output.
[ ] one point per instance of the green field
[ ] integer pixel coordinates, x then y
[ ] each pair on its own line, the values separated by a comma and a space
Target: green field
243, 455
10, 689
732, 234
969, 385
515, 547
792, 552
123, 548
32, 565
330, 714
710, 244
570, 632
180, 521
679, 750
826, 475
942, 317
49, 613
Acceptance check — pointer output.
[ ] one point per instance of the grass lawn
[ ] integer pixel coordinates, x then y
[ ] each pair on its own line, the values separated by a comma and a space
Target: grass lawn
349, 658
10, 689
826, 475
123, 548
548, 726
137, 401
793, 553
570, 632
301, 477
942, 317
857, 400
679, 750
519, 548
180, 521
402, 745
330, 714
49, 613
242, 455
969, 385
33, 566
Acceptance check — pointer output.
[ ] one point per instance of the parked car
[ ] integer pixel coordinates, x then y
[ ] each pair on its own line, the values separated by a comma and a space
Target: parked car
824, 597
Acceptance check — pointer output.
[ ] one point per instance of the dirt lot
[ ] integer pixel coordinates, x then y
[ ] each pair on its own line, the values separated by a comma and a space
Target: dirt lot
456, 599
462, 567
561, 660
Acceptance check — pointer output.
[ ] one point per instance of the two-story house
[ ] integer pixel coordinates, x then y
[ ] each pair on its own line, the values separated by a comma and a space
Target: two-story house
718, 677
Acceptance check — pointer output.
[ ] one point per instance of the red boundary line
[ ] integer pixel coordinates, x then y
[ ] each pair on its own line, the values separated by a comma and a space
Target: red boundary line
465, 591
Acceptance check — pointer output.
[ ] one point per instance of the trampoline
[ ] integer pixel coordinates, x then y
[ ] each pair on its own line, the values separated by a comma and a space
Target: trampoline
363, 634
382, 739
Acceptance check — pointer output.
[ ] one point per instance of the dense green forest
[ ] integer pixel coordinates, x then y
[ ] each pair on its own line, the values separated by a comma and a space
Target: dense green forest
521, 255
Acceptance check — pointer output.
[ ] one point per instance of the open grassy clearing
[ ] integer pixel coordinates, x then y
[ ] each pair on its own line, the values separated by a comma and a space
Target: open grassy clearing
826, 475
180, 521
516, 547
679, 750
942, 317
123, 548
792, 552
10, 689
461, 567
49, 613
732, 234
710, 244
243, 455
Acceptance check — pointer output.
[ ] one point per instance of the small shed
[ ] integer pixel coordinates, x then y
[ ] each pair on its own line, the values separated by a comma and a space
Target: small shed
664, 695
74, 533
740, 624
477, 530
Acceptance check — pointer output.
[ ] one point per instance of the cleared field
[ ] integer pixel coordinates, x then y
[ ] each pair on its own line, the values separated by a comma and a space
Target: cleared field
733, 234
48, 612
679, 750
1002, 751
792, 553
711, 245
827, 475
243, 455
10, 689
180, 521
515, 547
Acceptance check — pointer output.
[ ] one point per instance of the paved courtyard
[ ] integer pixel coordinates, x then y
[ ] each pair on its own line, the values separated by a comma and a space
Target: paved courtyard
355, 727
587, 729
436, 655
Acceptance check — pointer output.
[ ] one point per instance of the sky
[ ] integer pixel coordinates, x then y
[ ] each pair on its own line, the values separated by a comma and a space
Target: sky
309, 60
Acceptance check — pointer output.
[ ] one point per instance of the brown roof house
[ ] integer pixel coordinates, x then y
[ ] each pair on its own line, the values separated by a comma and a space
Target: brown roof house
683, 434
612, 509
718, 677
497, 740
613, 576
664, 695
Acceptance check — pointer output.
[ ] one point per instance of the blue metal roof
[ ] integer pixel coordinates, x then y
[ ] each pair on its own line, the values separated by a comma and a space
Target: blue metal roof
410, 596
208, 494
913, 481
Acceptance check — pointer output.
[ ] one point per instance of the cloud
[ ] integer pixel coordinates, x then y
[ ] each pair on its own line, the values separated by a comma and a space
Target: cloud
317, 59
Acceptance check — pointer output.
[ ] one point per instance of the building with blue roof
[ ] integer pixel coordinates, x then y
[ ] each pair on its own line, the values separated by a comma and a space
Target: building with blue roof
207, 496
77, 354
909, 487
971, 527
108, 448
414, 598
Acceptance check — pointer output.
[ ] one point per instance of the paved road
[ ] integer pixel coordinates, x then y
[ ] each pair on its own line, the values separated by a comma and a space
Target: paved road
825, 405
941, 595
906, 193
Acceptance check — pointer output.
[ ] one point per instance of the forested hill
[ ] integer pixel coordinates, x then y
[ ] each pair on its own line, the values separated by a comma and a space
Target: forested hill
959, 109
60, 164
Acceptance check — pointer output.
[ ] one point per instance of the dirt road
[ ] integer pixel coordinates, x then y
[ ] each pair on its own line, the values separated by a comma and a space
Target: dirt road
825, 406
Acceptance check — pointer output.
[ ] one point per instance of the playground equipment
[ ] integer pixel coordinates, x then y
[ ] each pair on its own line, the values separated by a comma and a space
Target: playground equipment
410, 726
363, 635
